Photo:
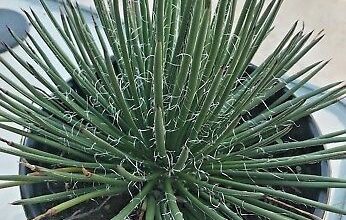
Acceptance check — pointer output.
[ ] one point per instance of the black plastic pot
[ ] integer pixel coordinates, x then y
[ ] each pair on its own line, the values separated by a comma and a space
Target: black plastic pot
104, 209
98, 209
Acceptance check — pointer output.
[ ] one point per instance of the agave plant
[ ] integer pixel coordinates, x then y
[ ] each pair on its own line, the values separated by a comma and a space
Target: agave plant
162, 109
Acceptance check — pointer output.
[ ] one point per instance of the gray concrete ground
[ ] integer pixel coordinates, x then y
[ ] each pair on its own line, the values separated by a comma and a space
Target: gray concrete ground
317, 15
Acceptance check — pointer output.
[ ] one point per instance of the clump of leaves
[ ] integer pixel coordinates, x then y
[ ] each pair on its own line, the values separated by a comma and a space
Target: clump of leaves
162, 106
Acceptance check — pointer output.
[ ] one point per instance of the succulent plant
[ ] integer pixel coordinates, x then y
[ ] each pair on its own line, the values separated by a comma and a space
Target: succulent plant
163, 109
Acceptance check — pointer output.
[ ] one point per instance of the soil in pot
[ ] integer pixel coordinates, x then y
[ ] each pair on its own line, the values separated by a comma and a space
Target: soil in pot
304, 129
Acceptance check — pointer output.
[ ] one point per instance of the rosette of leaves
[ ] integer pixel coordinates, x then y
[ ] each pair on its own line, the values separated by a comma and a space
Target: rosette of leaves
162, 109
